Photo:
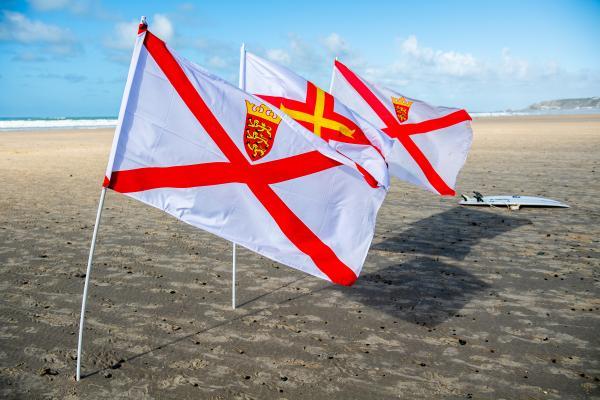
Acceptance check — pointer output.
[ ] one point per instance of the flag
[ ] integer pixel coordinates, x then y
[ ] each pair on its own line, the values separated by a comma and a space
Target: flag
224, 161
429, 144
319, 112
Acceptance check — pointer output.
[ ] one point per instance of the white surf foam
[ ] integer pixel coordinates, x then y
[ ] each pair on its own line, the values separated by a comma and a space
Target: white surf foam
535, 112
56, 123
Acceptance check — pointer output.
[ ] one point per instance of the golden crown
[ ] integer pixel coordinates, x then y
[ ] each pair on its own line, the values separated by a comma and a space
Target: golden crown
263, 112
401, 101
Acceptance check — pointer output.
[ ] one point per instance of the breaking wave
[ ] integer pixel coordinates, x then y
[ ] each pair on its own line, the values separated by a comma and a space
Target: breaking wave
23, 124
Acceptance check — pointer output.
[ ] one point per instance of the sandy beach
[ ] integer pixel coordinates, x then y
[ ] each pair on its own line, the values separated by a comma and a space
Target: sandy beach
452, 302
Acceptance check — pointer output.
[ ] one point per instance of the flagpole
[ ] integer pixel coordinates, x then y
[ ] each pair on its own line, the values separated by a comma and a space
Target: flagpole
241, 85
332, 77
233, 279
134, 60
87, 280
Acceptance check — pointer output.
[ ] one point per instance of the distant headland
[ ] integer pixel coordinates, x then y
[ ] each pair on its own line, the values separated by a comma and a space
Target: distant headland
566, 104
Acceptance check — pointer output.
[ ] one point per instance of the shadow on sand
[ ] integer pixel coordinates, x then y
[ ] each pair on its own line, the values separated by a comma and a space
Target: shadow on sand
451, 233
425, 290
422, 291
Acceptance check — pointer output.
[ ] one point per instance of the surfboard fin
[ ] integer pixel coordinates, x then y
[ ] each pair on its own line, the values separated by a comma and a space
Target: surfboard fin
478, 197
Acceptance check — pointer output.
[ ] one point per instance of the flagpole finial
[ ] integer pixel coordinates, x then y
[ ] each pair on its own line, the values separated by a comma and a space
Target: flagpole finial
143, 25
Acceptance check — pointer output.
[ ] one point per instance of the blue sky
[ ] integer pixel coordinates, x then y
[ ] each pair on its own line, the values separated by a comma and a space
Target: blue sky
70, 58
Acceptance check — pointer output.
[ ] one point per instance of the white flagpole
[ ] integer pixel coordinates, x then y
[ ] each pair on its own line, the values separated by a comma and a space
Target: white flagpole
87, 281
332, 78
132, 66
242, 85
233, 279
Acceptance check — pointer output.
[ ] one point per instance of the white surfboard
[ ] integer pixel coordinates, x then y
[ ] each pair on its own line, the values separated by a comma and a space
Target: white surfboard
512, 202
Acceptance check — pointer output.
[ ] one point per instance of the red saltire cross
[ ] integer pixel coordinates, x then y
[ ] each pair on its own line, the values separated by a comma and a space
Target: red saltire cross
257, 177
317, 115
403, 132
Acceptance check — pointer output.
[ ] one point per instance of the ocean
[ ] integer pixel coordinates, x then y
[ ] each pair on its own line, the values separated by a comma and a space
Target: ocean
24, 124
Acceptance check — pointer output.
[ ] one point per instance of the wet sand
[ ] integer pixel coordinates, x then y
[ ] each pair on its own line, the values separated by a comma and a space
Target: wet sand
452, 302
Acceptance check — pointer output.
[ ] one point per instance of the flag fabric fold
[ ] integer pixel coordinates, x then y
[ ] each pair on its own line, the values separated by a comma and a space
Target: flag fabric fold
427, 145
227, 162
319, 112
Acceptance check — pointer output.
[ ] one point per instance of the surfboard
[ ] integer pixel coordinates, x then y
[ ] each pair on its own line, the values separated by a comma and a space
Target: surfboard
512, 202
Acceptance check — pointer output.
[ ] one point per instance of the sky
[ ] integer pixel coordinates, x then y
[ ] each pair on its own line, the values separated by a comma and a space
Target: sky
69, 58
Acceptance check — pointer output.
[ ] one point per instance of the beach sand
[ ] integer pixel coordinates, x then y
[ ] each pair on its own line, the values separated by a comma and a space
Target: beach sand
452, 302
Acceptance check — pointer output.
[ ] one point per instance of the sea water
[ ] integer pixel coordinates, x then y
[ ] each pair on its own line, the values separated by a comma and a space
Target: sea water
23, 124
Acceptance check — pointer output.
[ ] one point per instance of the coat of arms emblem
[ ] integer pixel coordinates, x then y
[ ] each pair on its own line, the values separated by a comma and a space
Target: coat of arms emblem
402, 107
260, 130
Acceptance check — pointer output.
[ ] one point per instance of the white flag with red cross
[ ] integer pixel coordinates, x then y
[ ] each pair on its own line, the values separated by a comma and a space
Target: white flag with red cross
224, 161
429, 145
319, 112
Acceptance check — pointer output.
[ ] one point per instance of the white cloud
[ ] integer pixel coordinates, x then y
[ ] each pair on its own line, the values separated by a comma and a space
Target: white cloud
417, 65
215, 55
162, 27
186, 7
17, 28
311, 59
443, 62
28, 56
445, 76
336, 45
214, 46
514, 67
279, 56
417, 62
123, 36
217, 62
124, 33
47, 5
69, 77
73, 6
